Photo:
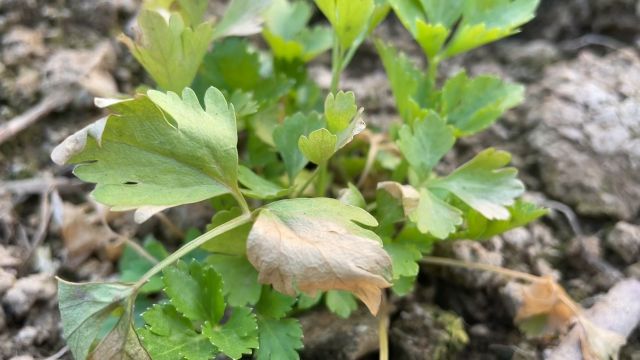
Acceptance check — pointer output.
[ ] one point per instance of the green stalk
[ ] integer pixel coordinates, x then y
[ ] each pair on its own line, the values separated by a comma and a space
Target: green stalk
322, 179
432, 73
192, 245
336, 64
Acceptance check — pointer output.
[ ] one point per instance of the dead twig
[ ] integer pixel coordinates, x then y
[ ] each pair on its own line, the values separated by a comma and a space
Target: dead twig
36, 184
51, 102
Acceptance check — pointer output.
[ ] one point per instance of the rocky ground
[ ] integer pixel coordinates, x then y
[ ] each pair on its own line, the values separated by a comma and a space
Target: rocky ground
576, 141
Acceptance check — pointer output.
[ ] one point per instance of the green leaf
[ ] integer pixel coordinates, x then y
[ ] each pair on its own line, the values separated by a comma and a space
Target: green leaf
404, 257
279, 339
195, 291
408, 83
307, 302
132, 265
84, 308
237, 336
485, 184
170, 51
343, 117
258, 187
341, 303
431, 37
158, 151
314, 245
349, 18
472, 105
425, 142
339, 110
485, 21
232, 64
352, 196
192, 11
287, 35
242, 18
286, 138
170, 336
443, 12
122, 342
273, 304
479, 227
232, 242
404, 285
319, 146
435, 216
240, 279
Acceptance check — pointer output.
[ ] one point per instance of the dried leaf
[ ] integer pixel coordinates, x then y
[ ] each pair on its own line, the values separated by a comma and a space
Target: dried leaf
314, 245
83, 231
598, 343
545, 298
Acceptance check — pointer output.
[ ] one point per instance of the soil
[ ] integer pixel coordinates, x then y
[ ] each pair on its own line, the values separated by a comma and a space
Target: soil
575, 141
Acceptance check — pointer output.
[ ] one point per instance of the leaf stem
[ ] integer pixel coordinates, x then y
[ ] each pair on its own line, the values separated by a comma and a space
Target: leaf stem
192, 245
306, 184
336, 64
432, 73
322, 179
434, 260
383, 328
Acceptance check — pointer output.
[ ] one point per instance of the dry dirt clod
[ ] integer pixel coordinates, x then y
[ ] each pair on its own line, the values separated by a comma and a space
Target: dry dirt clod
624, 240
423, 332
326, 336
587, 137
26, 291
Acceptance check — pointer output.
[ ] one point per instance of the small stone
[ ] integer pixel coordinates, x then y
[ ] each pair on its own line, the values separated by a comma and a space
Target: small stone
7, 280
26, 291
22, 357
624, 240
327, 336
26, 336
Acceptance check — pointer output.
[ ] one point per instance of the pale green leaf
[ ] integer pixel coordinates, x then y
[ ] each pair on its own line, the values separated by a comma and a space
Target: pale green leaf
485, 21
485, 184
352, 196
241, 18
195, 291
425, 142
240, 279
170, 51
170, 336
341, 303
158, 151
287, 35
520, 214
192, 11
472, 105
257, 186
319, 146
404, 257
431, 37
443, 12
314, 245
237, 336
435, 216
339, 110
279, 339
408, 83
84, 308
286, 138
404, 285
232, 242
349, 18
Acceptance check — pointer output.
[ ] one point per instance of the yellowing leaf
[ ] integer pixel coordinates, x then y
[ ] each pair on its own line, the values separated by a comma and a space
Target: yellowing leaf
314, 245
